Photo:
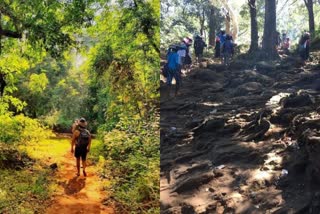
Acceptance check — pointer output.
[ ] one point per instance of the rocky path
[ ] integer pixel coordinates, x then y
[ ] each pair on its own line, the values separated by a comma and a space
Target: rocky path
242, 140
76, 195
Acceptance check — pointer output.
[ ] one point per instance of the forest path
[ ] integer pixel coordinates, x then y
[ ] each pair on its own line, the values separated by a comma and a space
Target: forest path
225, 144
75, 194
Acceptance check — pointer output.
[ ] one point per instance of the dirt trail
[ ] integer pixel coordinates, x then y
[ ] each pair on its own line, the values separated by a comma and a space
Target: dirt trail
234, 140
75, 194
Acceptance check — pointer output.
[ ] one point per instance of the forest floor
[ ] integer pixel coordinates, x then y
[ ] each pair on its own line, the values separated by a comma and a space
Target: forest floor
40, 177
77, 194
243, 140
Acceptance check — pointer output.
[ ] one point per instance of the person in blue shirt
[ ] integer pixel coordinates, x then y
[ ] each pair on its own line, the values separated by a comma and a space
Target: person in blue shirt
173, 69
222, 37
227, 50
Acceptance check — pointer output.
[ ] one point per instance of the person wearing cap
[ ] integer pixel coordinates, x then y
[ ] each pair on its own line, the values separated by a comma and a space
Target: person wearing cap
80, 144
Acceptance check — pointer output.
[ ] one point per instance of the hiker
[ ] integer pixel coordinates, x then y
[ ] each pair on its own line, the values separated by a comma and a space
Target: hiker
227, 50
199, 45
74, 125
81, 140
187, 61
217, 48
283, 38
182, 51
304, 46
286, 45
173, 69
222, 37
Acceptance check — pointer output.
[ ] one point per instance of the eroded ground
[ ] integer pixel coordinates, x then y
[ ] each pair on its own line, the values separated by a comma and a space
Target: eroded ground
243, 140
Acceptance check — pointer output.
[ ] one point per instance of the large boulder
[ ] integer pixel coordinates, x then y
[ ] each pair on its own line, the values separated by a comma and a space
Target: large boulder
294, 101
311, 139
249, 87
265, 66
205, 75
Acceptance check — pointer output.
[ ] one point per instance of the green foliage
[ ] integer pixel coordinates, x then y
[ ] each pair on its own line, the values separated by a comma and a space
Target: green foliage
123, 100
26, 194
133, 153
38, 83
21, 129
181, 18
48, 24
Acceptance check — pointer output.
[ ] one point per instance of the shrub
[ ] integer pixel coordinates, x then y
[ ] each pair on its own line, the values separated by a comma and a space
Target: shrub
133, 163
21, 129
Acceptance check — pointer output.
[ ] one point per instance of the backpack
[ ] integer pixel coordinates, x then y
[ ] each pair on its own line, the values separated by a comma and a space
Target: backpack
228, 47
84, 136
165, 70
199, 44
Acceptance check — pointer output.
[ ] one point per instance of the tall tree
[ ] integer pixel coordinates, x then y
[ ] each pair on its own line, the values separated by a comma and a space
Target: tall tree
231, 18
270, 33
202, 20
212, 25
309, 5
254, 26
42, 24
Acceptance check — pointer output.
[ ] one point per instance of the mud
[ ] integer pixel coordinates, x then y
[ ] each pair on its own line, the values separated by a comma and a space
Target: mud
243, 140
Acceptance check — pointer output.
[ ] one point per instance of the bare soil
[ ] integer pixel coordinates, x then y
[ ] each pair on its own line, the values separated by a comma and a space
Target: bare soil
77, 194
243, 140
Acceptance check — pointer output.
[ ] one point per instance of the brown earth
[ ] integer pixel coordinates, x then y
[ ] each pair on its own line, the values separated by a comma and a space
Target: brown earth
76, 195
243, 140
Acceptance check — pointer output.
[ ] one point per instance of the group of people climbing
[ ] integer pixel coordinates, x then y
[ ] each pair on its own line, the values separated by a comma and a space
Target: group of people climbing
224, 47
179, 55
283, 43
178, 58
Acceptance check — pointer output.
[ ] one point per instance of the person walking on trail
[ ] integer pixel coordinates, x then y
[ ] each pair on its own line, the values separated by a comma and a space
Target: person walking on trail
182, 55
173, 69
286, 45
227, 50
75, 125
81, 140
217, 48
199, 45
222, 37
304, 46
187, 60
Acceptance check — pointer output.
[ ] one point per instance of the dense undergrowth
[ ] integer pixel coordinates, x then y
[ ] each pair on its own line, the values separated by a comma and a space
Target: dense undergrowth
129, 155
24, 182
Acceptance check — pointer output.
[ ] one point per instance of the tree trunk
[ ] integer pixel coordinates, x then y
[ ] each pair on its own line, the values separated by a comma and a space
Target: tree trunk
231, 18
212, 27
202, 19
269, 34
2, 76
309, 5
254, 26
228, 25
